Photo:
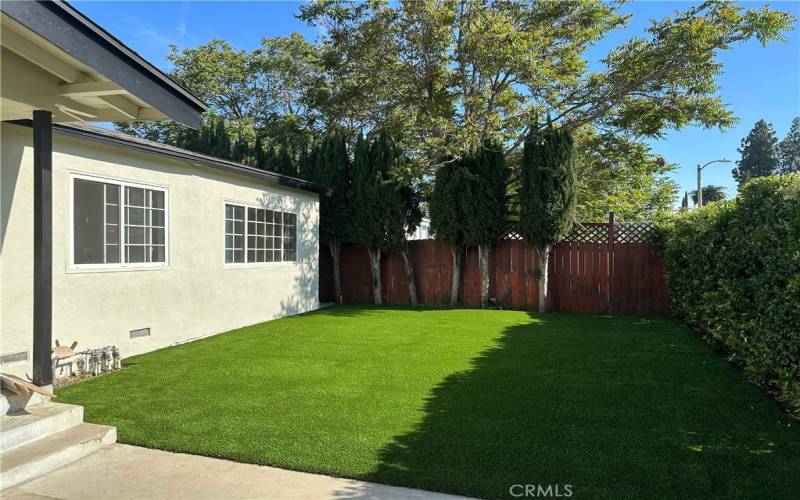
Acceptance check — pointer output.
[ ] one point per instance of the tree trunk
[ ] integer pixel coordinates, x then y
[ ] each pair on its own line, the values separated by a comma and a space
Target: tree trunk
544, 258
412, 286
375, 266
335, 248
454, 291
484, 251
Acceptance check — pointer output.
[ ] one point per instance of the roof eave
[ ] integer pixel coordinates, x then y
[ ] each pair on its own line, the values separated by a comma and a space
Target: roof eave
191, 157
66, 28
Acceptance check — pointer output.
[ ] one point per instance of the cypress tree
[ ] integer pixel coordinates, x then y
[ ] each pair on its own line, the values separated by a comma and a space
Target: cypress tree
399, 213
367, 203
547, 194
206, 138
329, 165
302, 161
240, 151
307, 167
259, 155
759, 154
270, 159
487, 206
284, 161
192, 140
789, 149
449, 211
221, 145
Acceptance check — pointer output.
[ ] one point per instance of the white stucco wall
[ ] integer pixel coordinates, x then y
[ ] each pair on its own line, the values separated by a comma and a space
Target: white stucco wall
196, 295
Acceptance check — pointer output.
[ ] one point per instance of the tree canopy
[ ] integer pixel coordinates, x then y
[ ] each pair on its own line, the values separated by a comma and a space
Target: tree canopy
451, 74
448, 207
329, 164
485, 202
385, 204
443, 77
547, 187
619, 174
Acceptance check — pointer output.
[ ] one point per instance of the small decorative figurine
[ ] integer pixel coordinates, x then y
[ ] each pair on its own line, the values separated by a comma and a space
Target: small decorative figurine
117, 358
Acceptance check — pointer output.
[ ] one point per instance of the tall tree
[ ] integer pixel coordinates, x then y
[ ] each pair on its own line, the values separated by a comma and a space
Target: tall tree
711, 194
410, 201
365, 198
685, 202
789, 149
449, 211
285, 163
759, 152
275, 89
486, 204
547, 194
329, 165
368, 202
444, 76
385, 207
399, 212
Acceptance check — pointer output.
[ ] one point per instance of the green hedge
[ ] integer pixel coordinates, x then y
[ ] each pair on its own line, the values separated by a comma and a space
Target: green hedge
734, 269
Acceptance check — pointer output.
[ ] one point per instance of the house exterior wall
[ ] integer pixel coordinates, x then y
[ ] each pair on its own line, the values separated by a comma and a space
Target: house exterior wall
194, 295
423, 231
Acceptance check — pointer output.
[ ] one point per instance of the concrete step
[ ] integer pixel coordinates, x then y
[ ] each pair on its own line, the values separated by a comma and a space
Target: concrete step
37, 422
49, 453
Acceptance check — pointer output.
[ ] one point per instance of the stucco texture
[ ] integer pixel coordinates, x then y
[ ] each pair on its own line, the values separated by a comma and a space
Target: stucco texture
195, 295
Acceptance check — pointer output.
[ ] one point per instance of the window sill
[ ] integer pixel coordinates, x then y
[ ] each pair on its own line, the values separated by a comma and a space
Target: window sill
115, 269
260, 265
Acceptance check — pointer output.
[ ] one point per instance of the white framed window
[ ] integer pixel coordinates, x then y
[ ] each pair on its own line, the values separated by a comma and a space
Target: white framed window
117, 224
255, 235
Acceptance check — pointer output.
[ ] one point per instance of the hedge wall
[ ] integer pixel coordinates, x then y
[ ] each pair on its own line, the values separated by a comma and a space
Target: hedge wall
734, 269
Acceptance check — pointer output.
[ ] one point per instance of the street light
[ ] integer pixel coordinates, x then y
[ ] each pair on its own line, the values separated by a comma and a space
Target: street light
700, 181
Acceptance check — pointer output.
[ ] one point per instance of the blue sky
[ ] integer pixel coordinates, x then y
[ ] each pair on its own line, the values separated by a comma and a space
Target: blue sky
756, 83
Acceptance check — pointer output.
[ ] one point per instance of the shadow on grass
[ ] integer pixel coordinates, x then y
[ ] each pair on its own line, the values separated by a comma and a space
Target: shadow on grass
612, 407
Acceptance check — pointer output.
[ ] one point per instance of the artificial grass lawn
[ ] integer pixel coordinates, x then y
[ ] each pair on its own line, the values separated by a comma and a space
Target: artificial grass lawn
462, 401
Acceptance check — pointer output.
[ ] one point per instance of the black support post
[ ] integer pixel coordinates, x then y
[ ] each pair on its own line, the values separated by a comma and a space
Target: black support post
42, 247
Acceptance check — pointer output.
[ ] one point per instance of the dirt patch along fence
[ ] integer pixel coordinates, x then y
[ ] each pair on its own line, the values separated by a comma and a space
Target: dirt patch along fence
587, 273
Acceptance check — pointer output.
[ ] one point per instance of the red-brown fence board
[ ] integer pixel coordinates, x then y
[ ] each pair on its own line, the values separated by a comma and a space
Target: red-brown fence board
584, 276
593, 278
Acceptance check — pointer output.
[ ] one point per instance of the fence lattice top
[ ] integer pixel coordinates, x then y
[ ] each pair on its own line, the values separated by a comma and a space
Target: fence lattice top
597, 232
634, 232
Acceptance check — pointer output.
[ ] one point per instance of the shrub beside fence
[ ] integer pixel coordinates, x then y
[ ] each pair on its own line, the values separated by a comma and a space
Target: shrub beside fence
587, 273
734, 269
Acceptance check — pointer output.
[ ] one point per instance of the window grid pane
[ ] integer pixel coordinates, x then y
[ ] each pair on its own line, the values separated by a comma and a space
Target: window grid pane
95, 236
111, 224
289, 237
257, 235
114, 223
234, 234
144, 213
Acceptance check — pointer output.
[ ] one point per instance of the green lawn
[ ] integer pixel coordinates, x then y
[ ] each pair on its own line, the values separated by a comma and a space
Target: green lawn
463, 401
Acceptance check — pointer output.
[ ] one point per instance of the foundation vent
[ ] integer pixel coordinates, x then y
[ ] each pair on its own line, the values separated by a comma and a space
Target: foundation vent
11, 357
141, 332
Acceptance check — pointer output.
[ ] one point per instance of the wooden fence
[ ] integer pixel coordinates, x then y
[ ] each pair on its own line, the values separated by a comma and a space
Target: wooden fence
600, 268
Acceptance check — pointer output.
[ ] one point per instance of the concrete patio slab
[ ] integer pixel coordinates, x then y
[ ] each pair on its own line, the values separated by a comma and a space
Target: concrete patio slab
125, 472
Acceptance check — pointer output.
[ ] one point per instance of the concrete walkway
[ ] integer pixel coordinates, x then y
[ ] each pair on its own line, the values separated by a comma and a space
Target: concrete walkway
123, 472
